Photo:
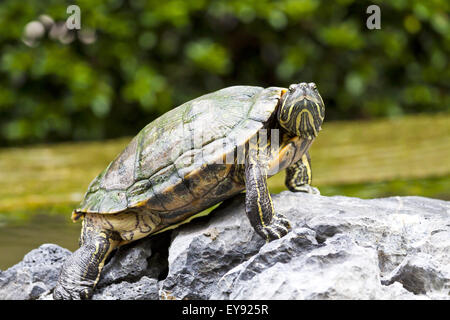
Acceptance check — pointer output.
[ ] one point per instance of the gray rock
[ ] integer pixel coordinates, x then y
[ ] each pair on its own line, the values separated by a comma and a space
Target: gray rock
204, 250
337, 269
128, 263
419, 274
339, 248
357, 243
144, 289
145, 257
35, 275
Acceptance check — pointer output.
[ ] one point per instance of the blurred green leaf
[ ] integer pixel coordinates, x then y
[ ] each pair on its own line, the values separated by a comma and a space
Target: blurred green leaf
209, 56
134, 60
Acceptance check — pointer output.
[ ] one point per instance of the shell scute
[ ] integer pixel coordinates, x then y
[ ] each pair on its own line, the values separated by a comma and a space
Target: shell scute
177, 160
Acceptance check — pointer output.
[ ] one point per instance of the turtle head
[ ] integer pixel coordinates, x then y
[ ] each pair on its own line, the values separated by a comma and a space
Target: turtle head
302, 110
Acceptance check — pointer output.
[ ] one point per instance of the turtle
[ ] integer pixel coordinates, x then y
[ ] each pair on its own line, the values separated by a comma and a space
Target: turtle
189, 159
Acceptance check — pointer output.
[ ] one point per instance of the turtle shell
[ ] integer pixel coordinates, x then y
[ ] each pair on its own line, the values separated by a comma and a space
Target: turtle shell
159, 170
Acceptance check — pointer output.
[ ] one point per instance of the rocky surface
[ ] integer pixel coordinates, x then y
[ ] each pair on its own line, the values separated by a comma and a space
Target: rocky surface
35, 275
339, 248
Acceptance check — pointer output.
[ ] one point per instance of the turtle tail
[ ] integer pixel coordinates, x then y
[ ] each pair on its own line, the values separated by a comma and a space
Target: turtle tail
77, 215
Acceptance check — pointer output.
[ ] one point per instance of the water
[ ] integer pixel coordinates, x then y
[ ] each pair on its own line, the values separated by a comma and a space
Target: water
17, 239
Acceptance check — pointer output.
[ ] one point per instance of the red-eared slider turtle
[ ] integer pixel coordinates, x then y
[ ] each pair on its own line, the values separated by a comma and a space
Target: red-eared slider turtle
192, 157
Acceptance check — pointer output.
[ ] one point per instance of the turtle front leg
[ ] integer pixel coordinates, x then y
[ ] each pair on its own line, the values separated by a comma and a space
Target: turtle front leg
259, 207
299, 176
81, 271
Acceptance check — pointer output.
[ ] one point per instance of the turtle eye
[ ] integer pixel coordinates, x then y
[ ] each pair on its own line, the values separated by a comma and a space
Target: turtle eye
292, 87
313, 85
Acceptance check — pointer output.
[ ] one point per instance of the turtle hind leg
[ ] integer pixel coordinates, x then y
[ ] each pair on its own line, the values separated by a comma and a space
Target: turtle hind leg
81, 271
299, 176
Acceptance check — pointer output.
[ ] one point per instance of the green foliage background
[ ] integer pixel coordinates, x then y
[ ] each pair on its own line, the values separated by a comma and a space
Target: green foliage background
150, 56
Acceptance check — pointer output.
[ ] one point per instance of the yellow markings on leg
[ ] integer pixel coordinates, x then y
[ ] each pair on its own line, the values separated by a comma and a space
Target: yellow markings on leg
93, 255
299, 173
296, 171
273, 230
295, 175
112, 245
259, 199
308, 168
268, 194
257, 149
282, 227
93, 227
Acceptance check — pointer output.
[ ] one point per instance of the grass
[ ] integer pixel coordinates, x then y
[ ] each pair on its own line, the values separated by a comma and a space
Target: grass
366, 159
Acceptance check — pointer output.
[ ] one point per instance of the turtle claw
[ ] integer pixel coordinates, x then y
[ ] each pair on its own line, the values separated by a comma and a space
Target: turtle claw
278, 228
72, 284
61, 293
307, 189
